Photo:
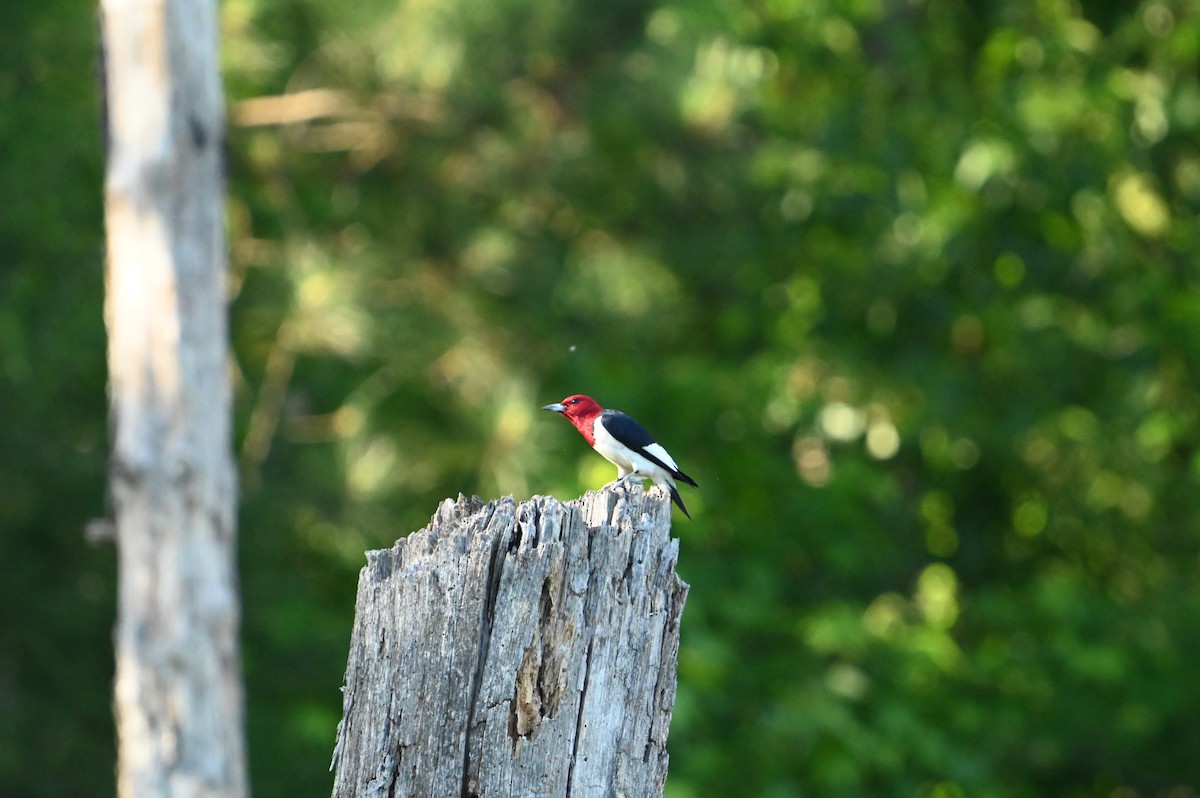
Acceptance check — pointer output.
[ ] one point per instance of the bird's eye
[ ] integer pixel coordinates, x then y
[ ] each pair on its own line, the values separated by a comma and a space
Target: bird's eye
573, 402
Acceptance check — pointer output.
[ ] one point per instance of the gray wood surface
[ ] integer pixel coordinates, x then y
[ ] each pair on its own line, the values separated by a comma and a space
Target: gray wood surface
516, 650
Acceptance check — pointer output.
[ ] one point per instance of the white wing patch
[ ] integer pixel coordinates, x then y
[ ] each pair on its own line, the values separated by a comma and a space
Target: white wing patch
657, 451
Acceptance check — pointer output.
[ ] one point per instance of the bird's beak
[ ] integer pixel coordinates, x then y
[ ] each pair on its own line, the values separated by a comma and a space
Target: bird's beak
557, 407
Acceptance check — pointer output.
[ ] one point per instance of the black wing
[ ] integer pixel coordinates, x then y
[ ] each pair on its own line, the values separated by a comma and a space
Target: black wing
627, 431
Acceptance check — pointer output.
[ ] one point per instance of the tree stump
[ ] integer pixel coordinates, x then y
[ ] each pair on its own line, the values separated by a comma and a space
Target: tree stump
516, 650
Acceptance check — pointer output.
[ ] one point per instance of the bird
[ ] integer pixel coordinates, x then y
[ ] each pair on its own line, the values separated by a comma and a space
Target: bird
625, 443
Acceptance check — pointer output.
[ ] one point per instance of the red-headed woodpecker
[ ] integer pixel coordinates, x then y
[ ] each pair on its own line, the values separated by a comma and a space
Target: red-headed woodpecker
623, 442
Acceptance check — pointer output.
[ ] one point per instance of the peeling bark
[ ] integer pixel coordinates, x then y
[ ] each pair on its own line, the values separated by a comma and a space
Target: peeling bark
513, 649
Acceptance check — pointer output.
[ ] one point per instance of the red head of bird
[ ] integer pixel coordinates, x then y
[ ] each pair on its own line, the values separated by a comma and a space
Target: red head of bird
581, 411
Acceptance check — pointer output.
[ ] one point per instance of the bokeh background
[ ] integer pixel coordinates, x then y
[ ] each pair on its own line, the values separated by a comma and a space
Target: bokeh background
908, 286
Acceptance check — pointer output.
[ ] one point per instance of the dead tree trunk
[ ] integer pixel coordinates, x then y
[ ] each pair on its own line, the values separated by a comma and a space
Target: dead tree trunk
516, 650
178, 698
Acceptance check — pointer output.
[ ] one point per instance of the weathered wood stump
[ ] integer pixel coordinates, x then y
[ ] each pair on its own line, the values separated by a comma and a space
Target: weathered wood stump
516, 650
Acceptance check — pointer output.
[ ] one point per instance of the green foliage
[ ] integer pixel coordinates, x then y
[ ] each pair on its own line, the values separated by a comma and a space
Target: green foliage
56, 592
909, 288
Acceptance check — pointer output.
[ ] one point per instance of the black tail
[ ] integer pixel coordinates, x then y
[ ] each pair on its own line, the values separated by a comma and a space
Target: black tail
685, 479
675, 497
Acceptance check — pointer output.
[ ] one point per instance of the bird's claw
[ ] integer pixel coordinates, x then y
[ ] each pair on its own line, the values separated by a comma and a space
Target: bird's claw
625, 482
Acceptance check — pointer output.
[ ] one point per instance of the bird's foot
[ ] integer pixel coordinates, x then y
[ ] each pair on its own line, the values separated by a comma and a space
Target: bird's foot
625, 482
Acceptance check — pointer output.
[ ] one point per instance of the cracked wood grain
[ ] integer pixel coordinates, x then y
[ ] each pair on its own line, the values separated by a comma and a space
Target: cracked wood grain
516, 650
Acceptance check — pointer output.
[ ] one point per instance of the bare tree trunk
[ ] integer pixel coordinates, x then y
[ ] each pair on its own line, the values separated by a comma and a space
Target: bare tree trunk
516, 650
178, 698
